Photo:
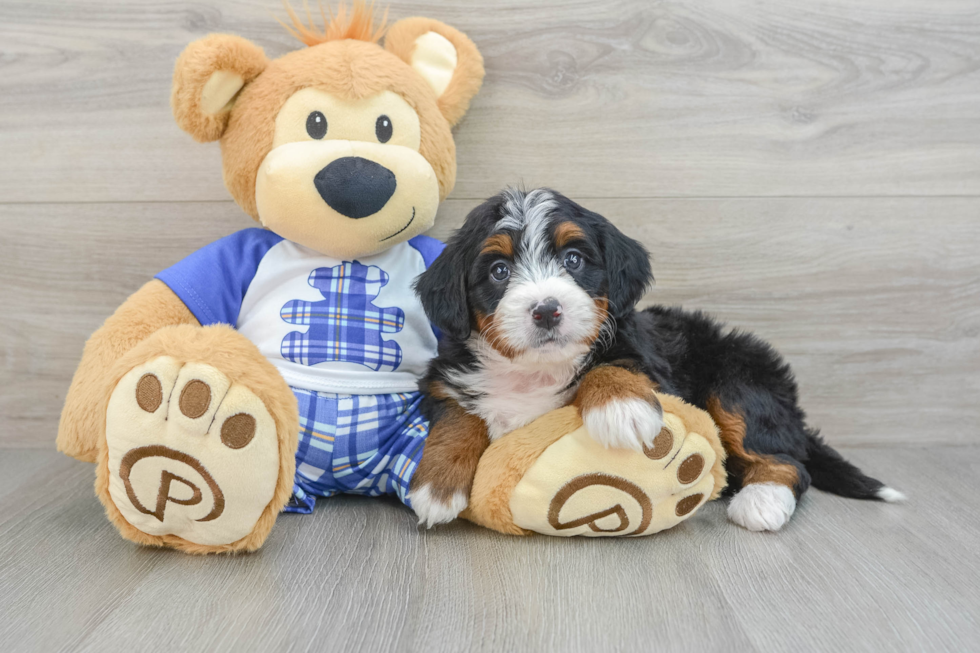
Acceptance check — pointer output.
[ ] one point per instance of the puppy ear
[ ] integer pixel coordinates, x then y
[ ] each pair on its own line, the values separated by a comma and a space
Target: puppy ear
627, 269
444, 57
207, 77
442, 291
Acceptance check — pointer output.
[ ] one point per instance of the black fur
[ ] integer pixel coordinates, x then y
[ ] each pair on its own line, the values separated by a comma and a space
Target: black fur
628, 272
686, 353
442, 290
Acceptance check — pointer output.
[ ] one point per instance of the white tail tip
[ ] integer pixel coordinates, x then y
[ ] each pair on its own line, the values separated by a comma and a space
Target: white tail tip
891, 495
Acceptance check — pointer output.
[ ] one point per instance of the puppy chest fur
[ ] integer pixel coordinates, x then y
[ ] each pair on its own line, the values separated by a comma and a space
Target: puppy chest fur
509, 395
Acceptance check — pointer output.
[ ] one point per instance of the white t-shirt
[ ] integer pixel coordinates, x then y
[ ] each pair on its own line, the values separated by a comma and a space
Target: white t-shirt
350, 327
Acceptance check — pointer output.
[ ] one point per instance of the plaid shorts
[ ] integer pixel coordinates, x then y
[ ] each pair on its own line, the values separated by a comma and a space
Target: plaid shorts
356, 444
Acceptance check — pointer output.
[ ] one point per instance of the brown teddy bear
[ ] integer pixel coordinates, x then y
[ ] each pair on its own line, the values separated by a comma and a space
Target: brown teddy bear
280, 364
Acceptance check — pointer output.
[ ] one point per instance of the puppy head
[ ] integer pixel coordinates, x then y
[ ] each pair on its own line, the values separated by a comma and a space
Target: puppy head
535, 276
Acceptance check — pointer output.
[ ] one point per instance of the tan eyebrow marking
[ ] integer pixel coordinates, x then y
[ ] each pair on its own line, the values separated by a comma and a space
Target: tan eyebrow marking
568, 232
499, 244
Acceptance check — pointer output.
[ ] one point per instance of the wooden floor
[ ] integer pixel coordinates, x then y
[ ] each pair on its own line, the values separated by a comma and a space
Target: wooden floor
358, 575
808, 171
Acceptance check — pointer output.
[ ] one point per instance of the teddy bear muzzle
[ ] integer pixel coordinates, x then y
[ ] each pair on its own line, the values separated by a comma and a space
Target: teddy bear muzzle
346, 198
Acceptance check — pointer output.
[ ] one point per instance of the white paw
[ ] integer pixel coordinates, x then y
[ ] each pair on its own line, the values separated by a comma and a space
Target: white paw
190, 454
762, 506
432, 511
624, 424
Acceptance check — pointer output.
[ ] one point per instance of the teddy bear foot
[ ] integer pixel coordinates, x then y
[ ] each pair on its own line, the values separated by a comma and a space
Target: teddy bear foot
552, 477
593, 491
190, 454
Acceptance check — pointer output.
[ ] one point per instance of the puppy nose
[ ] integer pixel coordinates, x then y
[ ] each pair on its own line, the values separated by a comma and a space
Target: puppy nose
547, 314
355, 187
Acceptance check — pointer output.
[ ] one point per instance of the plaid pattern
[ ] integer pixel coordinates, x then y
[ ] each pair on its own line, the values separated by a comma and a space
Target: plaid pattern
345, 326
357, 444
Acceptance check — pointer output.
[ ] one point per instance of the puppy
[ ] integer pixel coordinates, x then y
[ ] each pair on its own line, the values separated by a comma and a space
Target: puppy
535, 298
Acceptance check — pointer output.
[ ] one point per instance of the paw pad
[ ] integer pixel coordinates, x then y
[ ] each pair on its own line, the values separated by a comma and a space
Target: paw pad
149, 393
238, 430
189, 452
687, 504
662, 445
690, 469
195, 399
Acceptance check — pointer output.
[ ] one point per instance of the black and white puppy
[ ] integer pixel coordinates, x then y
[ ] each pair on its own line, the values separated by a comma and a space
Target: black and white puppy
535, 297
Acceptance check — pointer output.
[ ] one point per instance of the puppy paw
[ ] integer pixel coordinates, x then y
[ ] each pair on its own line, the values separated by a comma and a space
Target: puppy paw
627, 423
433, 506
762, 506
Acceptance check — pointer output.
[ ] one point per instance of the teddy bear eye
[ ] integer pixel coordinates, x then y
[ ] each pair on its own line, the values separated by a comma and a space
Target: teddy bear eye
316, 125
382, 129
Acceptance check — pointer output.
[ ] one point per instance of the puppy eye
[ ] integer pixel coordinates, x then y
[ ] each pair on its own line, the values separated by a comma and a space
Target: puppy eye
316, 125
382, 129
573, 260
499, 271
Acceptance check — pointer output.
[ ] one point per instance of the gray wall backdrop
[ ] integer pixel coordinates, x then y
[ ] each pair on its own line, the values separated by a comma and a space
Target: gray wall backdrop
808, 171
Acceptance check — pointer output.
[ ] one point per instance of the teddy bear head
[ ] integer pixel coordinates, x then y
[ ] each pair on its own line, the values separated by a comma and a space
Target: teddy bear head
345, 146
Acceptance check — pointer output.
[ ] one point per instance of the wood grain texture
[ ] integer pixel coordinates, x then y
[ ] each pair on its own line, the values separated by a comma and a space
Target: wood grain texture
358, 575
629, 98
876, 308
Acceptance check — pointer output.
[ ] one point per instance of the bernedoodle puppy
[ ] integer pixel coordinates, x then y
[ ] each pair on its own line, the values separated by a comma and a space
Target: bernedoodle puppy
535, 298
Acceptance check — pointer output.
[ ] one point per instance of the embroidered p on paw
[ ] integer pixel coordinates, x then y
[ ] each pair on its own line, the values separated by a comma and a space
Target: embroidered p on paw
345, 326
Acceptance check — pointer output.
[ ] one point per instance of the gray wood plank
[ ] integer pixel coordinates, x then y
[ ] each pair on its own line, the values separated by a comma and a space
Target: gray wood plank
359, 575
19, 467
901, 573
875, 302
617, 99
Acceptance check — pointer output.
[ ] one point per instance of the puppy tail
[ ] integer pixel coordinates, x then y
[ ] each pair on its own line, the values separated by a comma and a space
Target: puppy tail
831, 473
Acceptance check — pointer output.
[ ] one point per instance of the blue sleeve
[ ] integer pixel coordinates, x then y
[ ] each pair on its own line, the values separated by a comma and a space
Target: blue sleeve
213, 280
429, 248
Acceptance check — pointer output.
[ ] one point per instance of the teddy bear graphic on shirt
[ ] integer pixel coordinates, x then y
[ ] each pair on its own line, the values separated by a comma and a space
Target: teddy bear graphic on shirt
345, 326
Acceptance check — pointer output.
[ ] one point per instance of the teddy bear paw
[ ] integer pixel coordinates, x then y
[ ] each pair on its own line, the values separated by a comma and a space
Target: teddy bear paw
579, 487
189, 453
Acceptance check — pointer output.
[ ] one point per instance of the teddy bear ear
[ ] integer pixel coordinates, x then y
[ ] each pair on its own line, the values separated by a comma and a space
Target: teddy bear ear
207, 77
444, 57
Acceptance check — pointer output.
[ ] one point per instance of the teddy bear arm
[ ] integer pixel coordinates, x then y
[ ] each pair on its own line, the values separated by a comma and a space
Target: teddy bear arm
149, 309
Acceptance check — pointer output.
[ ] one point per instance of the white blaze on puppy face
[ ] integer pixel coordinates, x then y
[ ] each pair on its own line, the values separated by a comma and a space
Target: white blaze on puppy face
571, 337
538, 275
530, 215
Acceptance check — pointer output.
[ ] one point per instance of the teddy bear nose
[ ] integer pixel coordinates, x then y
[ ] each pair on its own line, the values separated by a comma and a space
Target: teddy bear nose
355, 187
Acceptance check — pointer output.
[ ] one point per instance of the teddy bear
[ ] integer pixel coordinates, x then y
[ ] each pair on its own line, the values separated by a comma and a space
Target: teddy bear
280, 364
